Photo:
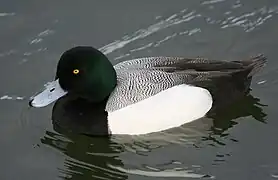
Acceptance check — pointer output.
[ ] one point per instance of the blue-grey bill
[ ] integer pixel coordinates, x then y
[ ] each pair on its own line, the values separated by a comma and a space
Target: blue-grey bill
51, 93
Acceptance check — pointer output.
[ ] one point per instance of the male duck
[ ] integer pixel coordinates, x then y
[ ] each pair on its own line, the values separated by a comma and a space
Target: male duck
149, 94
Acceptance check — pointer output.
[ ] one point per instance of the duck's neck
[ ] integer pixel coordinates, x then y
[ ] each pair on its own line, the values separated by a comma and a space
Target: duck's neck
109, 82
105, 86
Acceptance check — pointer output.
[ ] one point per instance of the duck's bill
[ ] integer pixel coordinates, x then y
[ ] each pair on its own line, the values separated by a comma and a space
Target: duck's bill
51, 93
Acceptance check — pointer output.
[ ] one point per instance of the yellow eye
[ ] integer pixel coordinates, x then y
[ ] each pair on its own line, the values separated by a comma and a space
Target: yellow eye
76, 71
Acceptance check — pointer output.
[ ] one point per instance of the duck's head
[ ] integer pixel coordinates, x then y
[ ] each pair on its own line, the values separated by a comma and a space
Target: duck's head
84, 72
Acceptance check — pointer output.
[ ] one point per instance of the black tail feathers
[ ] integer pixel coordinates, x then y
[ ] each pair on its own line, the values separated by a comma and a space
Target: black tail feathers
256, 63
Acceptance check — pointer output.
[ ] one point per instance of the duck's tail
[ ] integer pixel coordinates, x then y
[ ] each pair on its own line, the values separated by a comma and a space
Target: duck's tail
255, 64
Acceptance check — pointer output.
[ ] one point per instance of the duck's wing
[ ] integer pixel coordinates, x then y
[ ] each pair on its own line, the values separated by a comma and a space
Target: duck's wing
141, 78
191, 65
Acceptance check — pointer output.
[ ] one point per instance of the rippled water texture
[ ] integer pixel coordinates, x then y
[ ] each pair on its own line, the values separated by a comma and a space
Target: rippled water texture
239, 143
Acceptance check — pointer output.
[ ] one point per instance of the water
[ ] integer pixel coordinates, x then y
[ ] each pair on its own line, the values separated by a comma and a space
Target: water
238, 144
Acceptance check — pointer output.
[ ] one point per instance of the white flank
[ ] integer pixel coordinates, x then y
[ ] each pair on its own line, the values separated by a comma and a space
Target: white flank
168, 109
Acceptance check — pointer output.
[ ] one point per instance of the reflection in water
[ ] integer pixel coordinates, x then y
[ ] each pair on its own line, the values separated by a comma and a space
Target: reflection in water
98, 158
224, 120
248, 106
87, 157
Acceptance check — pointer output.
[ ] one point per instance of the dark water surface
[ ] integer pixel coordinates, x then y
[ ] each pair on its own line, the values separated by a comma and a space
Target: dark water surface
238, 144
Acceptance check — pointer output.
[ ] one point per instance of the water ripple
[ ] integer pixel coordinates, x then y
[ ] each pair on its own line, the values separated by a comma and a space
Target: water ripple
10, 52
212, 2
46, 33
7, 97
172, 20
39, 37
142, 47
250, 20
155, 172
237, 5
6, 14
159, 42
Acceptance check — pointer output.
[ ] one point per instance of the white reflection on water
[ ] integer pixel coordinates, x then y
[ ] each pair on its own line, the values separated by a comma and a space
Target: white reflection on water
7, 97
41, 35
212, 2
3, 54
6, 14
248, 21
172, 20
154, 172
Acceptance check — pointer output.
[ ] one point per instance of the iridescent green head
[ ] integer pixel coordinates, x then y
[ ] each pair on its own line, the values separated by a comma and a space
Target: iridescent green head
83, 72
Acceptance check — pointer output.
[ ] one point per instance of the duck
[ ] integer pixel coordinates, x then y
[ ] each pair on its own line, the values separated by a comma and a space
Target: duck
149, 94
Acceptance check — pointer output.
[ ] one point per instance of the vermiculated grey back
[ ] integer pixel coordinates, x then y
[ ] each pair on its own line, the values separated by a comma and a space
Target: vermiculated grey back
141, 78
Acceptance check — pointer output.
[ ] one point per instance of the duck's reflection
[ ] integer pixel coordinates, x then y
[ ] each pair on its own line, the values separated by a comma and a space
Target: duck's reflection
248, 106
88, 157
